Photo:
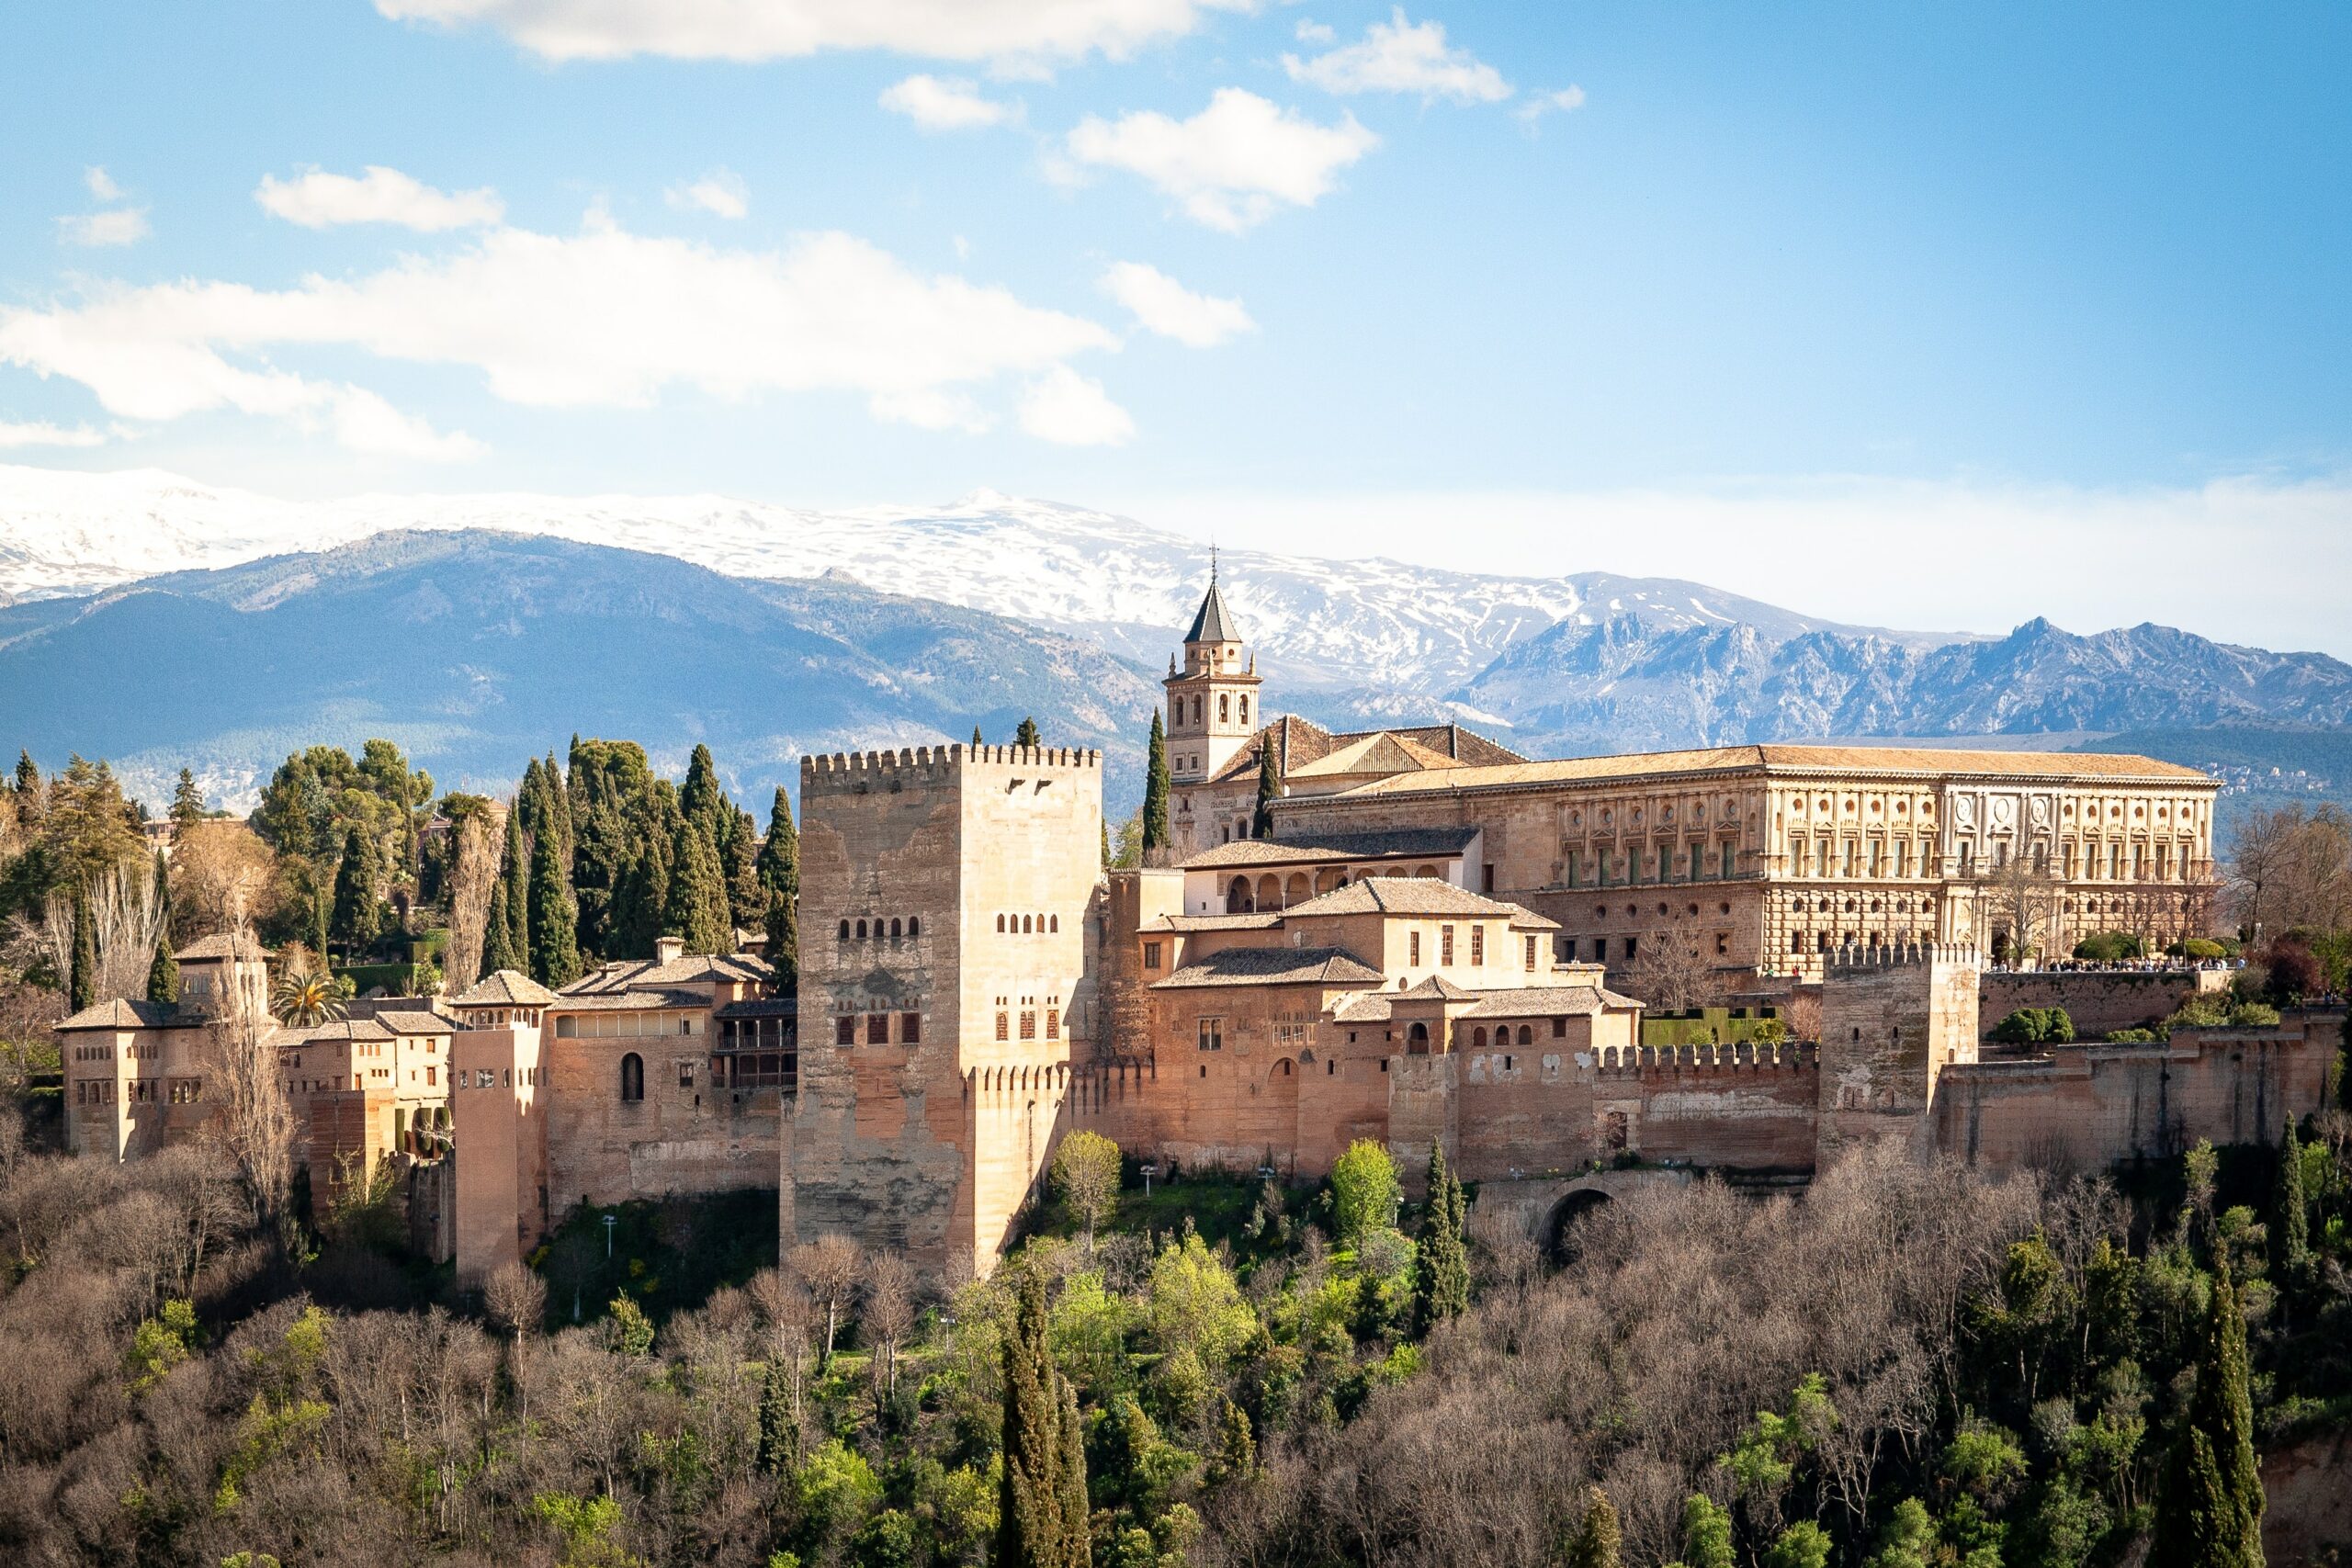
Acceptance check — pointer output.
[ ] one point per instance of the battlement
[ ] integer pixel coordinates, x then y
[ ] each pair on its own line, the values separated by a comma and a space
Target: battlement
1732, 1057
851, 771
1889, 955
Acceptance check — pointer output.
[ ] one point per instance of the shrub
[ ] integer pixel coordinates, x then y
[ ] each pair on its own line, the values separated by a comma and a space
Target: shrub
1364, 1189
2035, 1026
2294, 974
2130, 1036
2108, 947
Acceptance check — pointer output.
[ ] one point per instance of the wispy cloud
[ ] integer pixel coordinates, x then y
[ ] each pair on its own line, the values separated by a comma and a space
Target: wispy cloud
316, 200
946, 103
40, 432
1398, 56
720, 193
1566, 101
101, 184
1232, 164
1071, 410
1161, 304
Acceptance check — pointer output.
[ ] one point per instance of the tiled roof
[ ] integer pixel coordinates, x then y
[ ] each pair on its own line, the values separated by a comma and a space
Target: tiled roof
1214, 623
613, 1001
343, 1029
1379, 753
1537, 1001
1273, 967
506, 987
1299, 742
768, 1007
1909, 760
636, 973
1264, 922
1414, 895
220, 944
123, 1013
1410, 843
1437, 987
409, 1020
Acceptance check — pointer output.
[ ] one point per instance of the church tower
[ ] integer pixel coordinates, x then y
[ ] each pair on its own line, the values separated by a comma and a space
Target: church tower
1212, 701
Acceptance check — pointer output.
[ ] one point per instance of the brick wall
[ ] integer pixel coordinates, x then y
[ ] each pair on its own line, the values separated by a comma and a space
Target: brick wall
2097, 1000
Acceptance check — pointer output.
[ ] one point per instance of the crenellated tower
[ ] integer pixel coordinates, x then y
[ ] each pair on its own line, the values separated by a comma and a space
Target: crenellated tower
1212, 701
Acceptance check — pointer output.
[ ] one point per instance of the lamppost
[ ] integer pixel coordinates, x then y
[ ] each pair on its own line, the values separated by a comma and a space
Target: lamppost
610, 1221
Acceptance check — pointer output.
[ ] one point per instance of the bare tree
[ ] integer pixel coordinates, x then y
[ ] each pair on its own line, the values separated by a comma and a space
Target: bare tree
2289, 867
473, 871
789, 1316
253, 1121
126, 919
2019, 901
887, 1316
517, 1299
1669, 973
831, 1268
221, 875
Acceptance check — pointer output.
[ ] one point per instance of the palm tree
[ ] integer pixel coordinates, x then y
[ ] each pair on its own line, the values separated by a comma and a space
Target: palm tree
305, 998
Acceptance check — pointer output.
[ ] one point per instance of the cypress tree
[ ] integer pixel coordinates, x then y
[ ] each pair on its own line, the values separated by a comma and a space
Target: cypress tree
82, 982
1041, 1506
1441, 1264
2290, 1232
1270, 789
1027, 734
187, 802
28, 775
2209, 1500
555, 947
1155, 792
779, 1436
509, 905
697, 906
779, 868
354, 891
977, 742
163, 974
701, 799
747, 897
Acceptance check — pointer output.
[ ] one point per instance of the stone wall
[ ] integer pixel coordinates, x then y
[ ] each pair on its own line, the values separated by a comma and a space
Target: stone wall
2084, 1107
2099, 1000
498, 1156
1892, 1020
682, 1137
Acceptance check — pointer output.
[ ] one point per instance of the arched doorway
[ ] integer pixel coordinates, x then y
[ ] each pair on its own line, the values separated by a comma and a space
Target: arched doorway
1237, 897
1561, 1241
1417, 1040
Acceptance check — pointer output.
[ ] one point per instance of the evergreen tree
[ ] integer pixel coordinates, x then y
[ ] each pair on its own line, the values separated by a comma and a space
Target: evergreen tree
187, 802
747, 900
555, 946
1237, 1450
355, 892
82, 982
163, 974
1270, 789
1027, 734
701, 799
779, 1437
28, 776
977, 742
1442, 1263
509, 906
2291, 1233
1706, 1534
779, 869
2208, 1499
1155, 793
1041, 1507
697, 906
1595, 1542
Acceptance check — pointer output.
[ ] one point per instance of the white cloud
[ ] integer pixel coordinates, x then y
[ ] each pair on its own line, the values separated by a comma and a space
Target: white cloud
1232, 164
1002, 31
42, 434
1314, 32
1566, 99
1165, 306
1065, 407
719, 193
946, 103
601, 319
1398, 56
101, 184
316, 200
123, 226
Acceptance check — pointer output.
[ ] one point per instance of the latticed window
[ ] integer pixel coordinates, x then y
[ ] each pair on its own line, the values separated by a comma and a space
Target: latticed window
1028, 1024
1003, 1026
1053, 1023
1477, 944
1212, 1034
1445, 944
845, 1030
910, 1029
877, 1029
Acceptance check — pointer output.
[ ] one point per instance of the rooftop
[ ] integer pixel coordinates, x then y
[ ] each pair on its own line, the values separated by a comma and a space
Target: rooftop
1265, 922
123, 1013
1299, 743
410, 1021
1537, 1001
221, 944
1214, 623
1273, 967
504, 988
1414, 895
1400, 843
342, 1029
631, 973
1780, 759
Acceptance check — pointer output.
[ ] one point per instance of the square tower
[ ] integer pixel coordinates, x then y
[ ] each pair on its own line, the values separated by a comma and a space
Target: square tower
1212, 701
944, 899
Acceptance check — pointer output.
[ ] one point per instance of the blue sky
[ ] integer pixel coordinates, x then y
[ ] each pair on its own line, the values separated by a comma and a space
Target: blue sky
1724, 292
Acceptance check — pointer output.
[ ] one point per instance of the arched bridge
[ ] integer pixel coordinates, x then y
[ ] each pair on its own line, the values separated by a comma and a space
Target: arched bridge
1543, 1209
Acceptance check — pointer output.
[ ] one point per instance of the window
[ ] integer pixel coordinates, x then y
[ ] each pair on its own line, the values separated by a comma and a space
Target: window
860, 931
1722, 944
1028, 1023
1600, 950
999, 925
1559, 1029
914, 927
1003, 1026
431, 1074
1053, 923
1478, 946
1053, 1023
896, 931
1487, 878
1151, 955
910, 1029
685, 1074
1212, 1034
1224, 707
1629, 950
845, 1030
632, 1078
1413, 949
1531, 953
1478, 1038
1445, 945
877, 1029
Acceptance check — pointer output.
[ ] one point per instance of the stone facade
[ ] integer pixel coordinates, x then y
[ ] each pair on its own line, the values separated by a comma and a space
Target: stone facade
2099, 1000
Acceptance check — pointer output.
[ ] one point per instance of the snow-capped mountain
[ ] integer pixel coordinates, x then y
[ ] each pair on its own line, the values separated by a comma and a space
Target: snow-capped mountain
1382, 624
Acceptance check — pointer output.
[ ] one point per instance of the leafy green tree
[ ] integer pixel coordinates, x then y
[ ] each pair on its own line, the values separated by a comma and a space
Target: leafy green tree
355, 904
2208, 1499
81, 978
697, 906
1027, 734
1237, 1450
555, 944
1706, 1534
86, 825
1086, 1177
1364, 1189
1041, 1508
187, 802
1155, 792
1442, 1261
1803, 1545
643, 897
1909, 1539
1595, 1542
1270, 789
630, 1330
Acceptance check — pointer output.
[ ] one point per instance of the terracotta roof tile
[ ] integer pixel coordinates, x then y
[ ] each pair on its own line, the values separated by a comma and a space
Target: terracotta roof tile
1320, 848
1781, 758
1414, 895
506, 987
1273, 967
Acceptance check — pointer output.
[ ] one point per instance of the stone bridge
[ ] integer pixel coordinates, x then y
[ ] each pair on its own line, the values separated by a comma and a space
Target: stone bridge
1540, 1209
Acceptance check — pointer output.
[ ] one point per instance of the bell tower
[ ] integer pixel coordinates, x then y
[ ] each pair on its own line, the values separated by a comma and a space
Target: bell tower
1212, 701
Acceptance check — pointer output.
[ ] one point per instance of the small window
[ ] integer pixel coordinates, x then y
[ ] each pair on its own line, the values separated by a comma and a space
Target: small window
1151, 955
1477, 945
1003, 1026
1445, 946
1559, 1029
999, 925
632, 1078
1053, 923
860, 931
1053, 1023
877, 1029
910, 1029
914, 927
1028, 1024
1531, 953
1478, 1039
1212, 1034
897, 932
1413, 949
1027, 926
845, 1030
685, 1074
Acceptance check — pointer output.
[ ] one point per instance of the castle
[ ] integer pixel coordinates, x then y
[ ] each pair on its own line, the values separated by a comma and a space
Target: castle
1426, 952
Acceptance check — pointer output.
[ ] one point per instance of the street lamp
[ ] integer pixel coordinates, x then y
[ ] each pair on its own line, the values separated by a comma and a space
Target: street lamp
610, 1221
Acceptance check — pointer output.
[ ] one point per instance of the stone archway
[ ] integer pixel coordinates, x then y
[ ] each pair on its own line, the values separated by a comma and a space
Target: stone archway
1562, 1242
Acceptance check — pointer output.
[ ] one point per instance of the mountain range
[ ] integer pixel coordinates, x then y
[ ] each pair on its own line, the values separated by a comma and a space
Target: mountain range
485, 627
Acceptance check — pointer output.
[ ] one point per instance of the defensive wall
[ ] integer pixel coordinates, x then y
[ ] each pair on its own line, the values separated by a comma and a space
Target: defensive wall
2099, 1000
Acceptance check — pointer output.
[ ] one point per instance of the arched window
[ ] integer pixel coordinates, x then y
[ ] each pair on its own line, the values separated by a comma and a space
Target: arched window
1224, 707
999, 925
632, 1078
895, 932
1026, 929
914, 927
1526, 1035
860, 931
1417, 1040
845, 931
1245, 707
1478, 1038
1237, 896
1053, 922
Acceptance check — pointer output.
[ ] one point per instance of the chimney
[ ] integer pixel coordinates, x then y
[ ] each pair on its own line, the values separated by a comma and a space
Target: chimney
669, 949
